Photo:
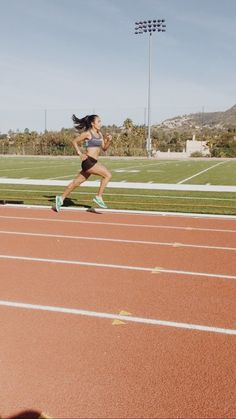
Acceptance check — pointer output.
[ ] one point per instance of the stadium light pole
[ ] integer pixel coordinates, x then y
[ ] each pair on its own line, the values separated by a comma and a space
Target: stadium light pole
142, 27
45, 120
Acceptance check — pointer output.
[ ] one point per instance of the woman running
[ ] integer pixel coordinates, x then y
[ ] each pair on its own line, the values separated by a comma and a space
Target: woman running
90, 125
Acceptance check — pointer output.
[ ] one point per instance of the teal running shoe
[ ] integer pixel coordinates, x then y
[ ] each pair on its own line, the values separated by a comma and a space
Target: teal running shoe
59, 203
99, 201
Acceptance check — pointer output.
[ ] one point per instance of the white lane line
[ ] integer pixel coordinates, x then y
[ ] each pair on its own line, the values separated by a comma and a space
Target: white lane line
101, 315
210, 275
147, 214
199, 173
117, 224
112, 266
76, 262
107, 239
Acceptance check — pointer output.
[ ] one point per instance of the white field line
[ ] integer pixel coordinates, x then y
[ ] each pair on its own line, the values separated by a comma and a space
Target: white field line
199, 173
117, 224
72, 176
141, 165
123, 194
120, 185
105, 239
111, 316
125, 171
114, 266
35, 167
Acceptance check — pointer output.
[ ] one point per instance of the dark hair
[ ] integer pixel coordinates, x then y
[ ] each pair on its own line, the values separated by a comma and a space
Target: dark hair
84, 123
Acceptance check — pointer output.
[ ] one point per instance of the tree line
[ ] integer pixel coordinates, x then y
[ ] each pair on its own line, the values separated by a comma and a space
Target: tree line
128, 140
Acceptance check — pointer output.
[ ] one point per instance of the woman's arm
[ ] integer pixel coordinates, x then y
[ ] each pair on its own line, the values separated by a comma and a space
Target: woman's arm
106, 143
78, 141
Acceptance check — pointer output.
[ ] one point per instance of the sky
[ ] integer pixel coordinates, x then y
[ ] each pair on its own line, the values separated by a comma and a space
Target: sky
82, 56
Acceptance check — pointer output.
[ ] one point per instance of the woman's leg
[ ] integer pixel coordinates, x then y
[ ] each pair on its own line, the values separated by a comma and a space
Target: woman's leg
100, 170
82, 177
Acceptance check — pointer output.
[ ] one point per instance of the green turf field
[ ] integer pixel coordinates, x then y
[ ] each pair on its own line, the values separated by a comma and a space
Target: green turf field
221, 172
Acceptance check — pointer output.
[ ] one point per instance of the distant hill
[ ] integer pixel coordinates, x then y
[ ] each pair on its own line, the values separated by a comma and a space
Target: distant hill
218, 120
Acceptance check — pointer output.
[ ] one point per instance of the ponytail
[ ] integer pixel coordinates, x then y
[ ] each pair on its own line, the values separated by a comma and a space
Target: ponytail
83, 123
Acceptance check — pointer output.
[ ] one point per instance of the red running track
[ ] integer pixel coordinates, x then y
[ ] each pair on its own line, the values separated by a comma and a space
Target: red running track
85, 366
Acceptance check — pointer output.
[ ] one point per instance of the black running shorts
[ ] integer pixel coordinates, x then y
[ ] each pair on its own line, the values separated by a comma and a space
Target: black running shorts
88, 163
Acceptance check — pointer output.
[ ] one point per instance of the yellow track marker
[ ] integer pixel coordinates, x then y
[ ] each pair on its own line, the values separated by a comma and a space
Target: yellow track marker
177, 245
44, 416
124, 313
118, 322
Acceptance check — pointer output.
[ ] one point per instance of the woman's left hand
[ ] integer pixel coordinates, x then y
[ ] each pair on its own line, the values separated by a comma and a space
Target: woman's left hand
109, 138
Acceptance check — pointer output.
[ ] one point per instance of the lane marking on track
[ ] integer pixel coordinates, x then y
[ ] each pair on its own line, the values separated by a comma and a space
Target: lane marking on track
88, 313
44, 416
199, 173
118, 322
157, 270
177, 272
148, 214
117, 224
107, 239
113, 266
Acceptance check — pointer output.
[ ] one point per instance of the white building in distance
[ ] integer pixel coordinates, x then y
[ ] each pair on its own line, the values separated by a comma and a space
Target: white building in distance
192, 146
